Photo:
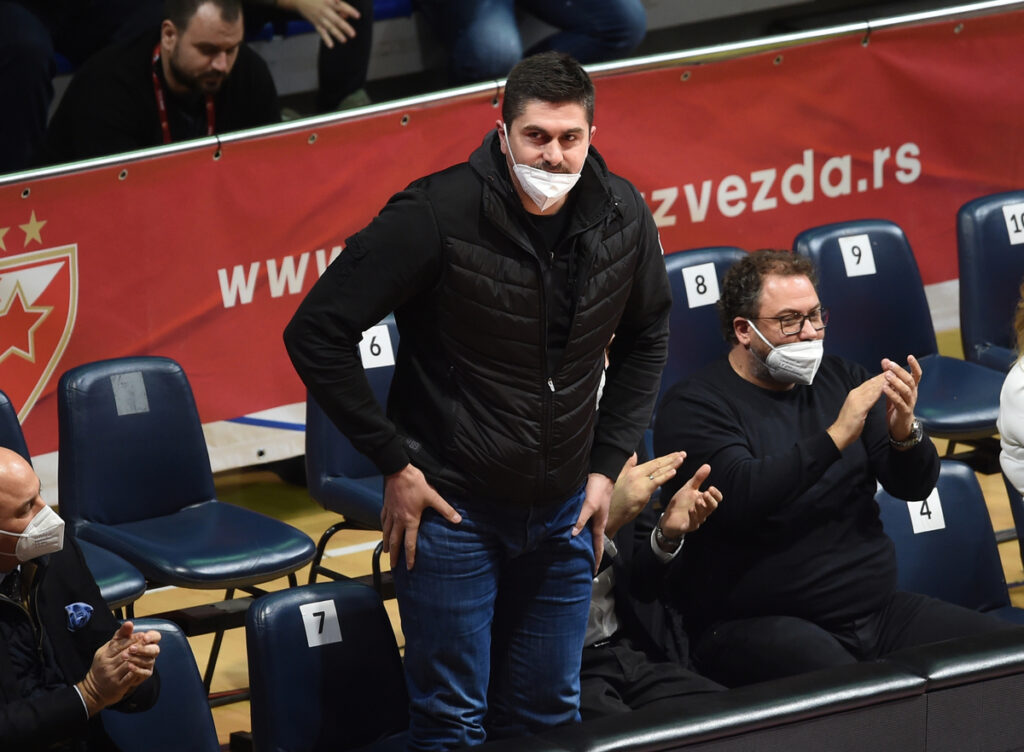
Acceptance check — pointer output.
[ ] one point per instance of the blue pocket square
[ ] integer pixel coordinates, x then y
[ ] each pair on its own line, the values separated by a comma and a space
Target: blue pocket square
78, 615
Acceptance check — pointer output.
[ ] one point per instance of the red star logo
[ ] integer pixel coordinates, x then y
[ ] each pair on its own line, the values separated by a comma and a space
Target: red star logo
18, 324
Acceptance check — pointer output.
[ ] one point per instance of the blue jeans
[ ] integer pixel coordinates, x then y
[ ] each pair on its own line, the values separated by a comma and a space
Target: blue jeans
483, 40
494, 615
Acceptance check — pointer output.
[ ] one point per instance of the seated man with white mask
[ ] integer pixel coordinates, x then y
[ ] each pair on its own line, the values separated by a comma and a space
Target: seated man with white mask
795, 573
63, 657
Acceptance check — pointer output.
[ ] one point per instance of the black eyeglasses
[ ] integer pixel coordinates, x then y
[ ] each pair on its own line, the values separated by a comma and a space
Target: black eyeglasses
792, 323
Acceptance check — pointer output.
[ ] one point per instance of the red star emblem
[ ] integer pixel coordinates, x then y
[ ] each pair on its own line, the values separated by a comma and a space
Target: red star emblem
17, 325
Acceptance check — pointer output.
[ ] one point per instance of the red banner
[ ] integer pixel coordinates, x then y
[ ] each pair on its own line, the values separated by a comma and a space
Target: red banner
203, 257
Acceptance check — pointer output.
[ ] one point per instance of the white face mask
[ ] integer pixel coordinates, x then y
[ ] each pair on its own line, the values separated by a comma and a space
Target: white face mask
43, 535
543, 187
793, 363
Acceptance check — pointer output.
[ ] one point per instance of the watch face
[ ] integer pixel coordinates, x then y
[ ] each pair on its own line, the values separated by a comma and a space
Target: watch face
912, 440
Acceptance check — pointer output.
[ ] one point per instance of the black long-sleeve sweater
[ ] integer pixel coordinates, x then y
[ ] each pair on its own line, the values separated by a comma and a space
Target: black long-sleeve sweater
798, 531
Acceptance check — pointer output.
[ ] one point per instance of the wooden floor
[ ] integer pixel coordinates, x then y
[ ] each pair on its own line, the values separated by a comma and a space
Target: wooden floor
350, 553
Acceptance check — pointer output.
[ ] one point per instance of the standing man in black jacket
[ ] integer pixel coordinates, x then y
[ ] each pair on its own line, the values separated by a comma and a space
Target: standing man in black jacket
508, 276
63, 657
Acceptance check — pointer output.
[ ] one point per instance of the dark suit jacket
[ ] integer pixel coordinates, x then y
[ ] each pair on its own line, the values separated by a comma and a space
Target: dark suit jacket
60, 579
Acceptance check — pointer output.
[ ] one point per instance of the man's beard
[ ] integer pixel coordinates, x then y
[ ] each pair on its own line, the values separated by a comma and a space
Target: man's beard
205, 83
562, 169
759, 366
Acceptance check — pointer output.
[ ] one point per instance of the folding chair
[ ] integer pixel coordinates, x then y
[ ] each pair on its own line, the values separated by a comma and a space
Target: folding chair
324, 669
695, 335
990, 252
945, 546
181, 718
869, 280
134, 477
120, 583
341, 479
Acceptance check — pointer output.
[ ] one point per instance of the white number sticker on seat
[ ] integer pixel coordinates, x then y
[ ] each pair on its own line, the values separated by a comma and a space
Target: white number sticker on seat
1014, 216
375, 347
927, 515
701, 284
321, 622
857, 256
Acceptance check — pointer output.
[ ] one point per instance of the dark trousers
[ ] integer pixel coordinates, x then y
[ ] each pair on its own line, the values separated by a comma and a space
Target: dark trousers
342, 69
618, 677
756, 649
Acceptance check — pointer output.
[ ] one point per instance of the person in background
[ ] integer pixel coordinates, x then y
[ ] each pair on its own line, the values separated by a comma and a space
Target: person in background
483, 40
1011, 410
635, 655
63, 657
346, 40
193, 77
31, 33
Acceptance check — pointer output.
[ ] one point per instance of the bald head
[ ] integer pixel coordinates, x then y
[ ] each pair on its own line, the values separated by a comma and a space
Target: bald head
19, 501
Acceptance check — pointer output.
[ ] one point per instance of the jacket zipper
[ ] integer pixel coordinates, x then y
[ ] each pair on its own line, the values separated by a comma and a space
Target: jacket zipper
547, 397
37, 633
546, 393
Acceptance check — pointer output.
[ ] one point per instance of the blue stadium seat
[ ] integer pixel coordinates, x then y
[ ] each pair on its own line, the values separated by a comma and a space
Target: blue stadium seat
869, 280
181, 718
134, 477
695, 335
945, 546
391, 9
341, 479
11, 436
120, 583
324, 669
990, 249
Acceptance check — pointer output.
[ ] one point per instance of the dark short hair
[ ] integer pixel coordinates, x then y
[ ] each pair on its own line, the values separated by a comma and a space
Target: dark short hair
180, 12
552, 77
742, 284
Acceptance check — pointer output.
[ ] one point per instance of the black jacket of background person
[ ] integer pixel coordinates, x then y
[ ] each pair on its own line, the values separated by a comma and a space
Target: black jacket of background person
474, 403
110, 105
651, 623
58, 715
798, 531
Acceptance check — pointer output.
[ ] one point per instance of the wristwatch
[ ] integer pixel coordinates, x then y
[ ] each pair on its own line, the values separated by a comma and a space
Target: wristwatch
664, 542
916, 434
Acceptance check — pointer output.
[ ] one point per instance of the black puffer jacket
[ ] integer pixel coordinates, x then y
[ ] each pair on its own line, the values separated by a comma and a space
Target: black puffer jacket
475, 402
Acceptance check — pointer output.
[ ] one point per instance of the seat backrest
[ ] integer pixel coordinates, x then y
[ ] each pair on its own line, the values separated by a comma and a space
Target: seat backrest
945, 546
324, 669
181, 718
990, 251
131, 444
695, 336
11, 436
869, 280
328, 452
120, 583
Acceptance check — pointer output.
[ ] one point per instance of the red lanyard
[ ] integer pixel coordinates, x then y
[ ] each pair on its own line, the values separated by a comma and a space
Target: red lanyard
161, 104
